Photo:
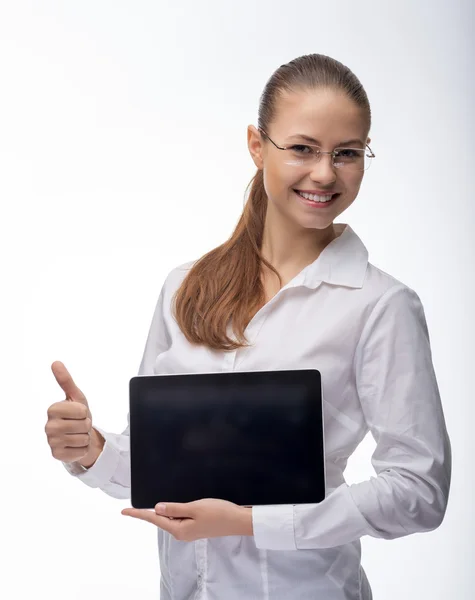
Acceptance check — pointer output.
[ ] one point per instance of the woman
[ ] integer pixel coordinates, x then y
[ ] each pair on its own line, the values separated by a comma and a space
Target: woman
301, 294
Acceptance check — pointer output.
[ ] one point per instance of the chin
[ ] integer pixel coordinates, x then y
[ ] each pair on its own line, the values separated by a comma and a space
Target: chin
321, 225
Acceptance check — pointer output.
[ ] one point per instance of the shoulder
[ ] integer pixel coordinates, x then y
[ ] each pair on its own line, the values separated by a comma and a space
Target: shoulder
383, 292
379, 283
391, 305
176, 275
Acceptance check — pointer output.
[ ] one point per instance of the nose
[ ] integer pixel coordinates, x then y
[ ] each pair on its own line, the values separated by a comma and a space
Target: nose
323, 170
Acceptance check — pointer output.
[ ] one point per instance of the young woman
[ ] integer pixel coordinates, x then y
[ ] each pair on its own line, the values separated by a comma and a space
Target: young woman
291, 289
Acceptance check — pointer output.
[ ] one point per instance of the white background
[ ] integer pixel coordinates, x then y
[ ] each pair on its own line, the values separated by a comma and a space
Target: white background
97, 102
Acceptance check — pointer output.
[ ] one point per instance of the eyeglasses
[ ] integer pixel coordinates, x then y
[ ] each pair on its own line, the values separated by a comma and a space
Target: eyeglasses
349, 159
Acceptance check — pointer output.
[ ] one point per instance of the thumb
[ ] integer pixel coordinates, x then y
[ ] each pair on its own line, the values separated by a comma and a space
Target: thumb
174, 509
67, 384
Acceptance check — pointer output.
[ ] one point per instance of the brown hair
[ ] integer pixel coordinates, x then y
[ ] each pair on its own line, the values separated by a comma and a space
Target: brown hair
227, 281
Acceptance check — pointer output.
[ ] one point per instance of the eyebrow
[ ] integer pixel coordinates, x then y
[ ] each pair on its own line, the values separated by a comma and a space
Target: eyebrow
310, 139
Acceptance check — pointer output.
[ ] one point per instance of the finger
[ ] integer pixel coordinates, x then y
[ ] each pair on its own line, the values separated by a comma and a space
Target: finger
149, 515
81, 440
65, 381
175, 509
68, 455
72, 426
68, 410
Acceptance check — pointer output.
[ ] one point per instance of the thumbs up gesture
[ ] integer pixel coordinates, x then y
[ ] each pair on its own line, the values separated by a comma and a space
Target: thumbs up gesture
69, 427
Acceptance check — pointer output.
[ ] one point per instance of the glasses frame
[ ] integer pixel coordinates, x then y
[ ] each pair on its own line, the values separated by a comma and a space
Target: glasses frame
320, 152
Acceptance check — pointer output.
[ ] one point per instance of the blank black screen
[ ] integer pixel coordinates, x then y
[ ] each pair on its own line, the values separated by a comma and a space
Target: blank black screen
252, 437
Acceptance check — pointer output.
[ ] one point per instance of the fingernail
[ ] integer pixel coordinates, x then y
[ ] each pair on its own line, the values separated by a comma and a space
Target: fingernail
160, 507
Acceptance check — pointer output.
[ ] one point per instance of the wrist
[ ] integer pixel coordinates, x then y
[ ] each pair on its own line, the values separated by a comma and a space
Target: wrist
245, 521
97, 445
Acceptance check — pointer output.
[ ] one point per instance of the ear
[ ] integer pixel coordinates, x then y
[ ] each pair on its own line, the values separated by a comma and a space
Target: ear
368, 141
256, 146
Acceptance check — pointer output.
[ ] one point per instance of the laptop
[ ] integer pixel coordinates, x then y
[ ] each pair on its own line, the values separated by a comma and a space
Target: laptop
250, 437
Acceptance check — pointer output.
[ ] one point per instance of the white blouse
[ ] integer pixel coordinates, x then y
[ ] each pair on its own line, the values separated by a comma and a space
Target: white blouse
366, 333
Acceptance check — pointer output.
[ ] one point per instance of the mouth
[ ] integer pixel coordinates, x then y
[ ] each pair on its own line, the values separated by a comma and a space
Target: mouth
317, 199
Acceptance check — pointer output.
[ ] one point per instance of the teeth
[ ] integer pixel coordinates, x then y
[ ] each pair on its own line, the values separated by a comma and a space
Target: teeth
316, 197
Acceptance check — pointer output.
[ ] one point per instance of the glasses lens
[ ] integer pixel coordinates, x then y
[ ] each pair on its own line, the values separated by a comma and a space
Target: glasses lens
352, 159
301, 155
349, 159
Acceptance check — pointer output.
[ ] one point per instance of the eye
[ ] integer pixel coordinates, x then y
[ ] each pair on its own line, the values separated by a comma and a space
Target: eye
301, 149
347, 153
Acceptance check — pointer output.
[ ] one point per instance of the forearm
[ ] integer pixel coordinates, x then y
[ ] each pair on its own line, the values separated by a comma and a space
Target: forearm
389, 506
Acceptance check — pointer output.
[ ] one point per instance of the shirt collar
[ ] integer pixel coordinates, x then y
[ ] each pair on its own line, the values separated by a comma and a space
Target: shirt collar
342, 262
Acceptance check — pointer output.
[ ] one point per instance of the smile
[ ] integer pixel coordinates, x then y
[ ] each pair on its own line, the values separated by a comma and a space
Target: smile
316, 198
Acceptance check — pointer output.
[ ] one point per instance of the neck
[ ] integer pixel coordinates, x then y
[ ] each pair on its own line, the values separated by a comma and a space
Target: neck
290, 250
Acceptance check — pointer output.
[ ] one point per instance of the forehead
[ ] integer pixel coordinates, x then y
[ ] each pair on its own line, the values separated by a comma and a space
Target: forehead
326, 115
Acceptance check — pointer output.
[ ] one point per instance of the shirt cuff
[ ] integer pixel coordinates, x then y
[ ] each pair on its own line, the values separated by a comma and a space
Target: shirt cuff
102, 470
274, 527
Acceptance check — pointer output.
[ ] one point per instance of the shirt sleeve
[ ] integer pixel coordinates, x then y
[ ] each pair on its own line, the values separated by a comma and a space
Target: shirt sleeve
111, 471
400, 399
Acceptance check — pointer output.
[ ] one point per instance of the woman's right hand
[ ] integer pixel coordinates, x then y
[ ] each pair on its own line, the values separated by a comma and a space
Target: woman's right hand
69, 427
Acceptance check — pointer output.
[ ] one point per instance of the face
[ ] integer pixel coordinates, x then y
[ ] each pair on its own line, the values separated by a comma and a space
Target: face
329, 117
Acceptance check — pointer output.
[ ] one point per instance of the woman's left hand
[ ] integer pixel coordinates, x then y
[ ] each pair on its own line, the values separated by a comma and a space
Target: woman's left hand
192, 521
